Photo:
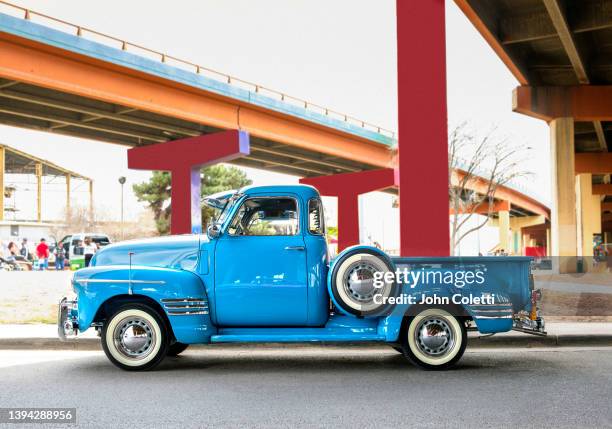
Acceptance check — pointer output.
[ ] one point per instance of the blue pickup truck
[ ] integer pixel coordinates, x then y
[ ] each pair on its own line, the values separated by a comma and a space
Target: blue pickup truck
262, 273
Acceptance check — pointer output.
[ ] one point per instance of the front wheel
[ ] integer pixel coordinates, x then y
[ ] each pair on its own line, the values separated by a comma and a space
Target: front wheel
135, 338
434, 339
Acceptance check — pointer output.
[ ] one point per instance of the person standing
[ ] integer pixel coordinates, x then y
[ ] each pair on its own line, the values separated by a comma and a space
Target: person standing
89, 249
42, 252
60, 256
25, 250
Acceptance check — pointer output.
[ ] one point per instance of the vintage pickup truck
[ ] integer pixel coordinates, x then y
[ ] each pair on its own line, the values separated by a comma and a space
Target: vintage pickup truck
262, 273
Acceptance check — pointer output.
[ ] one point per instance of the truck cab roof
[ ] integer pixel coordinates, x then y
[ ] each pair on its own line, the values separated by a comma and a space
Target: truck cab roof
304, 191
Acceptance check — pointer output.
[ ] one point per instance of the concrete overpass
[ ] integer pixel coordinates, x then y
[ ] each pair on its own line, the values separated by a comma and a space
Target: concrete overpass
64, 78
560, 51
112, 90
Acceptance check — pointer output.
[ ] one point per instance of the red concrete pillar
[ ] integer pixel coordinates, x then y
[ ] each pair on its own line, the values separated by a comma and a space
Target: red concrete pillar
347, 187
423, 137
348, 220
184, 158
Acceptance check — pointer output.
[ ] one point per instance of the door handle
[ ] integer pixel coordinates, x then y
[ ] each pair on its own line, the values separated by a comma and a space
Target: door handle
295, 248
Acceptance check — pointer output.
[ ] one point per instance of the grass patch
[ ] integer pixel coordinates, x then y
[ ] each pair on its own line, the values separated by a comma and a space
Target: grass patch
44, 314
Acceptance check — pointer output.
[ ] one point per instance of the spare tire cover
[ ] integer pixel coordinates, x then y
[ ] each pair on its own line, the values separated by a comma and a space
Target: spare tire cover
353, 286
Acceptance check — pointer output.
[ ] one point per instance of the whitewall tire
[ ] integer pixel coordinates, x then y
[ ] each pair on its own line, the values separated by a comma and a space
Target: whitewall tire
434, 339
352, 283
135, 338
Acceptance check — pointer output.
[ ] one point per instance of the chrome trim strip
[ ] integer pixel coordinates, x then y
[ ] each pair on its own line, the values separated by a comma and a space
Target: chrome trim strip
501, 304
176, 306
183, 300
503, 311
493, 317
185, 306
186, 313
151, 282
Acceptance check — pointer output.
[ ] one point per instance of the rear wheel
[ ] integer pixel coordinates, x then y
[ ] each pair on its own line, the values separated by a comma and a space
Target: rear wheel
176, 349
434, 339
135, 338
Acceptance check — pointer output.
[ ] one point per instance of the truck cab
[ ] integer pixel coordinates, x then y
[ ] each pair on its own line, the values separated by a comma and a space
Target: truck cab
262, 273
270, 259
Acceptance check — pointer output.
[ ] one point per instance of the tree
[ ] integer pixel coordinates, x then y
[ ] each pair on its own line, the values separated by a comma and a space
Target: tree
477, 167
156, 192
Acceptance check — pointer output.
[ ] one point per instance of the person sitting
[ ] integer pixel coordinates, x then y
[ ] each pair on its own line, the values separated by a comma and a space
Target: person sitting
15, 257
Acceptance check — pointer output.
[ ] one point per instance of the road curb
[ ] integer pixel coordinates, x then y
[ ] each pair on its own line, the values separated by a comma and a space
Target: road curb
501, 341
551, 340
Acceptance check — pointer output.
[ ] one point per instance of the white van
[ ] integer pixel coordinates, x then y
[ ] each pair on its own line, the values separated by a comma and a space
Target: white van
73, 245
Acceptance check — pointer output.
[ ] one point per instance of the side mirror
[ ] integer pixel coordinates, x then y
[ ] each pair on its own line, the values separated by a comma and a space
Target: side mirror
214, 230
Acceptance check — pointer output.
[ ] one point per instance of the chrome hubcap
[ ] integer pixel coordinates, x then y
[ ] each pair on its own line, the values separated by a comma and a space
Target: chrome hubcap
434, 336
359, 282
134, 337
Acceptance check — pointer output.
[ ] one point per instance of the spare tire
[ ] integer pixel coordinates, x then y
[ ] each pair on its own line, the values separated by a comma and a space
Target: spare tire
352, 283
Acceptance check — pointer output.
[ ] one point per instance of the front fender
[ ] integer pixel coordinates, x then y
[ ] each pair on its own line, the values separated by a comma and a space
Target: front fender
95, 286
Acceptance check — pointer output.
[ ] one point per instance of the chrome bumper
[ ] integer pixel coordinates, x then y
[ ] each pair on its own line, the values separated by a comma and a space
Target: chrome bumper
67, 320
531, 322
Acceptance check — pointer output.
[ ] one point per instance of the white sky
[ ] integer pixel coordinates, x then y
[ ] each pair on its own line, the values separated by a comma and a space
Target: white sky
337, 53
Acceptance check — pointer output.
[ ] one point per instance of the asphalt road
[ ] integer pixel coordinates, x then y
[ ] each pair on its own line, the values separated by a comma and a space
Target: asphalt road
272, 386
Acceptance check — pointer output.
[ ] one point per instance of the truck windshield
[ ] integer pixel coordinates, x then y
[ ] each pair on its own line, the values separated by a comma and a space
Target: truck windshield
224, 211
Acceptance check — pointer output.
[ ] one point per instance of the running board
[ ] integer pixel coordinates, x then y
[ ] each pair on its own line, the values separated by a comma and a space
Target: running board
293, 335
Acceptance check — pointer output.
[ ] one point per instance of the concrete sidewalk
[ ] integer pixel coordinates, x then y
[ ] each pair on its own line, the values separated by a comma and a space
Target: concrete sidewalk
44, 337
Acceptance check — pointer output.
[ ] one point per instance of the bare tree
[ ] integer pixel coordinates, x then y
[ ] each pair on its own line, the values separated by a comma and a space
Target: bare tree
477, 167
79, 220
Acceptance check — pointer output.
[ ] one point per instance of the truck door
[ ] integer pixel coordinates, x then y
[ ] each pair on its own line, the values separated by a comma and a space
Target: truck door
260, 265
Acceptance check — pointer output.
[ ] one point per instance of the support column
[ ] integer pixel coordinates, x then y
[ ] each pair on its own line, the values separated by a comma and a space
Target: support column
504, 230
348, 221
186, 210
563, 213
39, 178
91, 203
423, 136
548, 249
588, 216
2, 171
520, 251
526, 238
184, 158
347, 187
68, 206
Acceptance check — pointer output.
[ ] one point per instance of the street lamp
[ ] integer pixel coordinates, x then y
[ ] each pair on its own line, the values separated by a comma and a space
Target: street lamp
122, 182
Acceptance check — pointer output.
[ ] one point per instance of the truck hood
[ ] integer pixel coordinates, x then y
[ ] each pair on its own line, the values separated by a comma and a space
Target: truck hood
175, 251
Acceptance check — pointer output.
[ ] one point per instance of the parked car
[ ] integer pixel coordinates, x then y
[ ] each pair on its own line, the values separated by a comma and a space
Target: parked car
72, 245
262, 273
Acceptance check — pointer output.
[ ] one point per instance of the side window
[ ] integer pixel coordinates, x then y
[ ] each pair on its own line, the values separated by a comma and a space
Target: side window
266, 216
315, 217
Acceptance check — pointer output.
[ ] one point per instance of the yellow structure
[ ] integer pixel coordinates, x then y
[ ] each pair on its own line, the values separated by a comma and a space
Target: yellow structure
13, 161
